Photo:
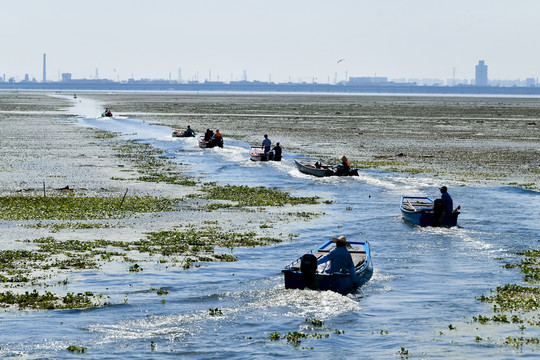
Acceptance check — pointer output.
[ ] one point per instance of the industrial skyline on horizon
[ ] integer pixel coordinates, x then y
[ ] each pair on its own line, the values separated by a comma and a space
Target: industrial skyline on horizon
272, 41
481, 78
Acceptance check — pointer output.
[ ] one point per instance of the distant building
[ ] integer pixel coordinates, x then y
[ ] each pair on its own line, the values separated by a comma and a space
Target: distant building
66, 77
530, 82
44, 67
359, 81
457, 82
481, 78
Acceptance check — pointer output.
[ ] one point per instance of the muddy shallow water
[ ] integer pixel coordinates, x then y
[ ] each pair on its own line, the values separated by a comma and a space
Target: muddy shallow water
471, 138
422, 294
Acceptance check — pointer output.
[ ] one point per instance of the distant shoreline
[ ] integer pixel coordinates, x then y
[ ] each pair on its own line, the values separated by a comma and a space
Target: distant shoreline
262, 87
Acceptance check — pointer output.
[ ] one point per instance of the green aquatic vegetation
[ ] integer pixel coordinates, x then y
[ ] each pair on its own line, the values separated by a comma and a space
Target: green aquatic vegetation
225, 257
77, 349
47, 300
215, 312
295, 338
135, 268
217, 206
520, 341
169, 179
403, 352
304, 214
56, 227
176, 180
103, 134
78, 207
530, 265
315, 322
518, 300
255, 196
513, 297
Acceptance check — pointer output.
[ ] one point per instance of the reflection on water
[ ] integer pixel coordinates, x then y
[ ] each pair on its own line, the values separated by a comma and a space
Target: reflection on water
424, 278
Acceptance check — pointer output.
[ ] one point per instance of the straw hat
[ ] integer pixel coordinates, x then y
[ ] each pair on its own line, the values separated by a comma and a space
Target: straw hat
342, 240
343, 158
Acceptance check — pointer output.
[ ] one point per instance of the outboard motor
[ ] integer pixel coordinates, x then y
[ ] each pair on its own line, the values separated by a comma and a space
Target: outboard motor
308, 267
437, 212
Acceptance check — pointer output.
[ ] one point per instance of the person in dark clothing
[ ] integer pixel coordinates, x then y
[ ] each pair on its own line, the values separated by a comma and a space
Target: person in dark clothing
208, 135
277, 152
344, 168
217, 139
189, 131
448, 204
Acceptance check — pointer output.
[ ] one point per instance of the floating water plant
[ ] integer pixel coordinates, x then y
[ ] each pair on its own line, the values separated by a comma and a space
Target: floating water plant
135, 268
77, 349
256, 196
47, 300
404, 353
215, 312
79, 208
295, 337
315, 322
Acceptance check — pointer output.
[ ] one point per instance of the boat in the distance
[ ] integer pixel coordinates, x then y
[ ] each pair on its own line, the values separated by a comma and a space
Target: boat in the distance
107, 113
256, 153
318, 168
302, 273
424, 211
208, 144
183, 133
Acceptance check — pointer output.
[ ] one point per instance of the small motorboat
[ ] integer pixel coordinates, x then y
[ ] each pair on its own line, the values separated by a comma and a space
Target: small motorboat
424, 211
318, 168
208, 144
256, 153
183, 133
107, 113
302, 273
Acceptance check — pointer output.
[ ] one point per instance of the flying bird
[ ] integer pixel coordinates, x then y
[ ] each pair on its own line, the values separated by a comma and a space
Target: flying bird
340, 60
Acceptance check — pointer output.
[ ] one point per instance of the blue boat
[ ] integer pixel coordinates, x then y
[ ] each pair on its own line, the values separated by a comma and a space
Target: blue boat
424, 211
302, 273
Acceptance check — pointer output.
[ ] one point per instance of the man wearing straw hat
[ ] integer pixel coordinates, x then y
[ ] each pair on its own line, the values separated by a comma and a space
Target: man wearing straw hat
340, 259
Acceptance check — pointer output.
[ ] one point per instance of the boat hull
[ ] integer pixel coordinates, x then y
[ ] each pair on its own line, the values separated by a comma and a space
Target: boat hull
204, 144
337, 282
256, 153
419, 210
340, 283
309, 167
179, 133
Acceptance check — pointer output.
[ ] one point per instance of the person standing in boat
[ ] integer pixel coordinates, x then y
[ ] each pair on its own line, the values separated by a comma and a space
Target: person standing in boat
266, 144
447, 203
277, 152
340, 259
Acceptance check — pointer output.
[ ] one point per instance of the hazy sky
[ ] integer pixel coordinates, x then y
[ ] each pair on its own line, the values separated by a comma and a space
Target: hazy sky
284, 39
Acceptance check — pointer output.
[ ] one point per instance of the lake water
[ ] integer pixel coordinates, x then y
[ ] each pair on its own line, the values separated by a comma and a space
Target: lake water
425, 279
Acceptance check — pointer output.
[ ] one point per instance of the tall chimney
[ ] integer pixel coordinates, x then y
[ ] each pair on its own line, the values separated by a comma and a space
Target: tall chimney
44, 67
